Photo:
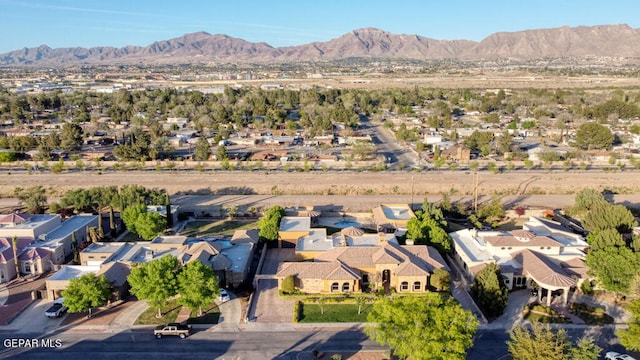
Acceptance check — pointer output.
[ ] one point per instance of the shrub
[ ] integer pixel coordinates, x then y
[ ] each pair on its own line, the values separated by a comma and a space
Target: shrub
288, 284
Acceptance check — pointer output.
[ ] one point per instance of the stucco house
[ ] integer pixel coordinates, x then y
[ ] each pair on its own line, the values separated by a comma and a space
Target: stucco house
543, 254
388, 265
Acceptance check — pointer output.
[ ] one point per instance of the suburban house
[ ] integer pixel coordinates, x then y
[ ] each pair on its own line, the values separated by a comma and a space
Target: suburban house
386, 265
230, 259
44, 241
543, 254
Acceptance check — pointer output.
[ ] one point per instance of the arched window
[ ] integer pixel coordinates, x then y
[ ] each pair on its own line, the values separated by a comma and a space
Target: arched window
335, 287
404, 286
416, 286
346, 287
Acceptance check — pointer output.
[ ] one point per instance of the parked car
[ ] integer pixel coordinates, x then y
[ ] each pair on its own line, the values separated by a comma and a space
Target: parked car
172, 329
612, 355
224, 295
57, 309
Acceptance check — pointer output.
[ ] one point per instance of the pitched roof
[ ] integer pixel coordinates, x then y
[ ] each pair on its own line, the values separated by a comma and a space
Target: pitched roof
334, 270
244, 236
543, 270
517, 241
14, 218
116, 272
422, 256
34, 253
211, 248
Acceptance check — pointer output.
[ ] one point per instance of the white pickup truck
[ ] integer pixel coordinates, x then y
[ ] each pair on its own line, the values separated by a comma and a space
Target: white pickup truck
57, 309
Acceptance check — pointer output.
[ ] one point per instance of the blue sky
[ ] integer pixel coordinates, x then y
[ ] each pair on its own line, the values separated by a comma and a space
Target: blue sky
88, 23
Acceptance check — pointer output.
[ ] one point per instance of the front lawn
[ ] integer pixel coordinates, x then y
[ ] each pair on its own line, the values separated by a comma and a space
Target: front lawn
543, 314
594, 316
211, 314
223, 227
311, 313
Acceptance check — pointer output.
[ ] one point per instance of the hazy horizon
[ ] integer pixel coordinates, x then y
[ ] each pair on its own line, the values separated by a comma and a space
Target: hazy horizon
75, 23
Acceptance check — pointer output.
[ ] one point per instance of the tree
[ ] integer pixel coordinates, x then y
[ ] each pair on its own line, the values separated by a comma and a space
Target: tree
440, 280
14, 242
614, 267
86, 292
269, 224
361, 300
146, 224
288, 284
587, 199
430, 327
155, 281
594, 136
197, 286
202, 150
585, 349
478, 140
33, 198
541, 342
71, 137
492, 209
601, 239
606, 216
630, 337
489, 290
221, 153
150, 224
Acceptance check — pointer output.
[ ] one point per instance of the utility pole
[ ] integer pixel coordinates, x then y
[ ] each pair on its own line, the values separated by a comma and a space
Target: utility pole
411, 192
475, 195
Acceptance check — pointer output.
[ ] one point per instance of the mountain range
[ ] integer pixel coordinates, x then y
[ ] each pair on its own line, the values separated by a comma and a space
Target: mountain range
367, 43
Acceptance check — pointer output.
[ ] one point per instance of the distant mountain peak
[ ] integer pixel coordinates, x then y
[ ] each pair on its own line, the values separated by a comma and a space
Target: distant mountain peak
368, 42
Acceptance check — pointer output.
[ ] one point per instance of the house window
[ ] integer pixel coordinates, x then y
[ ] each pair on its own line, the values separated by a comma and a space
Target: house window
346, 287
404, 286
365, 278
27, 268
416, 286
335, 287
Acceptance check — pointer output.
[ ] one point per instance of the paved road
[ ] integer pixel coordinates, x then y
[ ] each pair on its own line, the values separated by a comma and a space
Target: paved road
201, 345
389, 146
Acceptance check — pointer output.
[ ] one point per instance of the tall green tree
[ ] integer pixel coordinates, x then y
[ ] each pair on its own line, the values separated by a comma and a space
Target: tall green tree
431, 327
71, 137
630, 337
14, 242
614, 267
86, 292
202, 150
489, 290
269, 224
585, 349
197, 286
155, 281
594, 136
606, 216
601, 239
539, 342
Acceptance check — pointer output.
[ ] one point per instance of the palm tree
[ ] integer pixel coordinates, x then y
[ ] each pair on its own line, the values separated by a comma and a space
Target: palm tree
15, 256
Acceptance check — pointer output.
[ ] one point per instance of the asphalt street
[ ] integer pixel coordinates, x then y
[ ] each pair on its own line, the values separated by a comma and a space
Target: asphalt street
201, 345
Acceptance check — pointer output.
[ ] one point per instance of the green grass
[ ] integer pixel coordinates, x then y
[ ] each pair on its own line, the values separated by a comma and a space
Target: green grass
169, 314
211, 314
223, 227
333, 313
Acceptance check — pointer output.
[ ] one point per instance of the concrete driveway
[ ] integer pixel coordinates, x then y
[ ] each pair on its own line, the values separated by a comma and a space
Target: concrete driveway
33, 320
268, 306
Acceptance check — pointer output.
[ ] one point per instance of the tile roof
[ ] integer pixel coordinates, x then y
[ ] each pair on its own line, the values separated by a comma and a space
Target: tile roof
542, 270
116, 272
34, 253
245, 236
334, 270
14, 218
535, 241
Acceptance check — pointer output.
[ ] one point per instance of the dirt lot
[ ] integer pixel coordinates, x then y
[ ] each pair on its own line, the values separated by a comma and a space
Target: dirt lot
336, 183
